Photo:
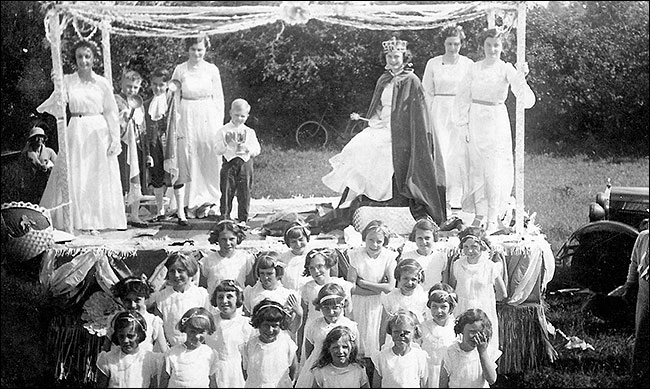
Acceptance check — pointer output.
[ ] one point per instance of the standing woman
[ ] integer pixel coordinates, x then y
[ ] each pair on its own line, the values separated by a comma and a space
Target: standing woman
484, 117
394, 158
93, 137
440, 82
201, 114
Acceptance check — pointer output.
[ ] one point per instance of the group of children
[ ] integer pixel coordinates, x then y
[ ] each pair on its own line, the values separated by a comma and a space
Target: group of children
146, 147
284, 320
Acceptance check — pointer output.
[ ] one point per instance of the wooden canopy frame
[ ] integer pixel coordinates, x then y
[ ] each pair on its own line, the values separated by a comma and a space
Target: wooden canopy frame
183, 22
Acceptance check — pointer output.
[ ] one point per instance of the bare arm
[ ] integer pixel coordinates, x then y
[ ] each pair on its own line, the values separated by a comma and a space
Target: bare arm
489, 367
382, 327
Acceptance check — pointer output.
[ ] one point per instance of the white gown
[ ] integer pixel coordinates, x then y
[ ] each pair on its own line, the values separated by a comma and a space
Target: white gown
201, 114
365, 164
491, 170
440, 82
95, 189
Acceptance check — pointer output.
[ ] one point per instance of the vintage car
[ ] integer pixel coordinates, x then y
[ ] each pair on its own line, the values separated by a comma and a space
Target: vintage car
598, 253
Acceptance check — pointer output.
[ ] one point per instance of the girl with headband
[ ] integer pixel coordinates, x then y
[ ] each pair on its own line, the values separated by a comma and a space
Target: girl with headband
438, 331
269, 358
331, 302
296, 237
192, 364
232, 332
128, 365
230, 262
476, 279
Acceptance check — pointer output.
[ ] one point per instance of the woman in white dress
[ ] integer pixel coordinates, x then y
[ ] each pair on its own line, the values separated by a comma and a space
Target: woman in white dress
484, 117
201, 114
441, 77
395, 157
93, 143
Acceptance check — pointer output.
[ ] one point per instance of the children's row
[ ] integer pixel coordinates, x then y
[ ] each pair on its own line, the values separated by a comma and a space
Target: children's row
230, 350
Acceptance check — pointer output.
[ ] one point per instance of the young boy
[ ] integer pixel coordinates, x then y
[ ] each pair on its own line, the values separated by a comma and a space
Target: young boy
238, 144
135, 157
156, 121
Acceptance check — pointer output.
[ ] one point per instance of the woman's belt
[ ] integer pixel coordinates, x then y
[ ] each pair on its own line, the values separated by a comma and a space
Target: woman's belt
445, 94
483, 102
197, 98
82, 114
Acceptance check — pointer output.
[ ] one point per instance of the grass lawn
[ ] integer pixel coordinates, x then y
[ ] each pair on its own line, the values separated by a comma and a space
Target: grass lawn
559, 189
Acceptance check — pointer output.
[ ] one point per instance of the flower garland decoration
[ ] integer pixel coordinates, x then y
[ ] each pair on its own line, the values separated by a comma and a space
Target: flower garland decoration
295, 12
98, 311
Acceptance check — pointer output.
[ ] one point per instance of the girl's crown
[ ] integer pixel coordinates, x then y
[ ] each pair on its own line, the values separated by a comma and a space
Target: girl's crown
394, 44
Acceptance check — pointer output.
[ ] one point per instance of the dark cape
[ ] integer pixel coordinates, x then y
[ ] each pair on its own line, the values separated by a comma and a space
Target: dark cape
419, 173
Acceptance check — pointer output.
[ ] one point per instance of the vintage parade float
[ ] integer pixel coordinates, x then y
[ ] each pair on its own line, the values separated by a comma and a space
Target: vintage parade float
77, 274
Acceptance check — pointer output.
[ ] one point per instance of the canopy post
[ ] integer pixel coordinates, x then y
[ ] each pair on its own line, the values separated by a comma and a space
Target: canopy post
106, 49
520, 122
490, 19
62, 180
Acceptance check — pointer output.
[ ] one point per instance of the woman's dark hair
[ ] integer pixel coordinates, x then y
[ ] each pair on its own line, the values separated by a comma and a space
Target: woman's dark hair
493, 33
186, 259
269, 310
473, 315
189, 42
138, 285
452, 31
333, 336
85, 43
226, 225
228, 286
128, 319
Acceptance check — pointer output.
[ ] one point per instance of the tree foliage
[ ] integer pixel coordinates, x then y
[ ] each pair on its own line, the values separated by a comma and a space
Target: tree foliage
588, 62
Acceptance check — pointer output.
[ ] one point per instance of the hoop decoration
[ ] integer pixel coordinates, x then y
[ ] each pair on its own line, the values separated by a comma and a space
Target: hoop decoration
80, 32
26, 230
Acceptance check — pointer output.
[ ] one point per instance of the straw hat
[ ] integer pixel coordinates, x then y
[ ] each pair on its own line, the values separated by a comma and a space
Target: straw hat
36, 131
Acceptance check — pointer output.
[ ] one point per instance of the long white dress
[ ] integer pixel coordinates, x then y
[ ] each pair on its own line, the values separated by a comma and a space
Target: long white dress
95, 189
367, 309
440, 82
475, 289
201, 114
480, 102
365, 164
435, 341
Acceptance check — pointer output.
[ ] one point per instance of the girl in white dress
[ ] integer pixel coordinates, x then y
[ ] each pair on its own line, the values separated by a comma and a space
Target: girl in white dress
438, 332
133, 292
93, 139
338, 365
372, 269
229, 263
201, 113
476, 279
296, 237
484, 117
269, 272
403, 365
179, 295
433, 261
192, 364
269, 358
232, 332
128, 365
318, 264
331, 302
468, 362
440, 81
408, 295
